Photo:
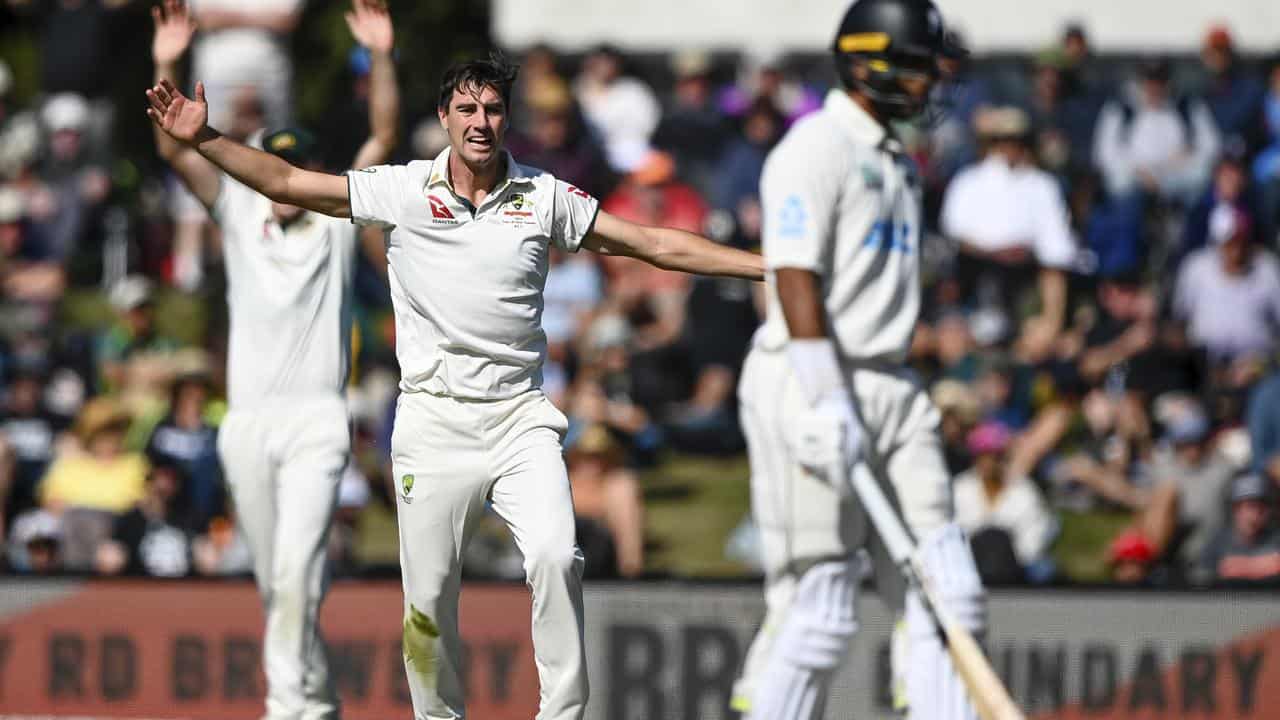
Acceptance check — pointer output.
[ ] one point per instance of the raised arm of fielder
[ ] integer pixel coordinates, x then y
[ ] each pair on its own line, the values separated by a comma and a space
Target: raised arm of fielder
174, 28
185, 120
371, 26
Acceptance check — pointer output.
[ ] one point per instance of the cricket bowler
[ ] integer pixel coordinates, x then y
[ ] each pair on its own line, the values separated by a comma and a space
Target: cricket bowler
824, 391
285, 440
468, 238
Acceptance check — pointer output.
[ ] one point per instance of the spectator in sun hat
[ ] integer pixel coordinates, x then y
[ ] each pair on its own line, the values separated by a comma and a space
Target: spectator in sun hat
1247, 551
1010, 219
90, 483
998, 511
100, 474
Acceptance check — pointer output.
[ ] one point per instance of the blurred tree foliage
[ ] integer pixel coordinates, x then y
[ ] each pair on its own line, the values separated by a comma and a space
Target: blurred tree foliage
430, 34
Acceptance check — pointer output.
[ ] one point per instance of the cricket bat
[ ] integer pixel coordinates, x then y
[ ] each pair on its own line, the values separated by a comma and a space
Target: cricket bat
986, 691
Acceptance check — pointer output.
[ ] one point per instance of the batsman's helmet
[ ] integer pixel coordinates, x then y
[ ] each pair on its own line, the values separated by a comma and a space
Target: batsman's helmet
892, 38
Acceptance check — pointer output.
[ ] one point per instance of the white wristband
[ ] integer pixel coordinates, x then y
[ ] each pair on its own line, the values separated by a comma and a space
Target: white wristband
816, 367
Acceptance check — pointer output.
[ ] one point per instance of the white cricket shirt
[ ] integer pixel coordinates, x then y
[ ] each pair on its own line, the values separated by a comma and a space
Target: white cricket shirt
466, 283
289, 295
993, 206
841, 199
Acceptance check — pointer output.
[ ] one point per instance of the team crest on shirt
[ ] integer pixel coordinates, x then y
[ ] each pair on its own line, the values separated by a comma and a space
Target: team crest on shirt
406, 485
518, 210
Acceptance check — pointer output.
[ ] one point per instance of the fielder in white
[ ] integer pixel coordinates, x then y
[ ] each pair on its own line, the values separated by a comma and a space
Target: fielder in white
469, 234
285, 440
824, 393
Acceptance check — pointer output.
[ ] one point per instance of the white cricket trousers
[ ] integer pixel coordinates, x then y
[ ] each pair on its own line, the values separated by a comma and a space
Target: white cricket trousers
449, 457
283, 459
810, 531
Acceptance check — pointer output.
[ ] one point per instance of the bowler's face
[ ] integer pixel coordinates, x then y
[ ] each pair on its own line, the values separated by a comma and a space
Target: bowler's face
476, 121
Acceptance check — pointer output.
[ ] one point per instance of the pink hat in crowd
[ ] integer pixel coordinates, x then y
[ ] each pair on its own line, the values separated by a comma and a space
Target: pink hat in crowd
989, 437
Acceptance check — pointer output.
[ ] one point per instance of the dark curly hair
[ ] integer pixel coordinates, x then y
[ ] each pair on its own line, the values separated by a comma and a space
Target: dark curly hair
495, 71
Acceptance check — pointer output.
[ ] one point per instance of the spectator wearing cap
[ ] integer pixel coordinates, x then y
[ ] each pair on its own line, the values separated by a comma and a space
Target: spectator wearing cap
1011, 221
1186, 484
606, 496
1232, 91
35, 546
999, 511
244, 44
1228, 294
76, 46
1247, 551
153, 538
654, 300
133, 336
621, 109
1156, 144
185, 439
692, 127
72, 173
1230, 186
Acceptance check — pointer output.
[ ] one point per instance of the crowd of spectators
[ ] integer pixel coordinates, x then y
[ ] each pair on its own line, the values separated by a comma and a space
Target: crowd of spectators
1101, 322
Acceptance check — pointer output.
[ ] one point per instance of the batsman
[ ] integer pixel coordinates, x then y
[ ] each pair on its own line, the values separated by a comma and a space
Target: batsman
825, 394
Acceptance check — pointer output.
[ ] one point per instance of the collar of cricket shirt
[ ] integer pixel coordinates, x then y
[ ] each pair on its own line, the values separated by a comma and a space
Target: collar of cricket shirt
440, 174
861, 126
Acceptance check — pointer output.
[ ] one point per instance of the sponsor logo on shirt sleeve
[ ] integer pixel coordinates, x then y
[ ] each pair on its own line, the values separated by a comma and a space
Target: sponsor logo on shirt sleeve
793, 221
